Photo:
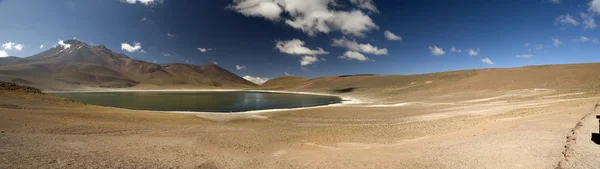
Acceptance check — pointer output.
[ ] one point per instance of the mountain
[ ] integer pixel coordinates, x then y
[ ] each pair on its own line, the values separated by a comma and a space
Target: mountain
77, 64
283, 82
11, 60
579, 77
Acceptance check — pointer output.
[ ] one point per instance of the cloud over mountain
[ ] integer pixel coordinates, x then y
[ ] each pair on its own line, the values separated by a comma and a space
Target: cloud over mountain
436, 51
256, 80
312, 16
137, 46
3, 54
296, 47
473, 52
62, 44
358, 47
487, 61
352, 55
12, 46
391, 36
238, 67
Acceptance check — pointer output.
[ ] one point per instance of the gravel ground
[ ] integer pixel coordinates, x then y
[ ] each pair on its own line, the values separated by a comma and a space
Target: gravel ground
41, 131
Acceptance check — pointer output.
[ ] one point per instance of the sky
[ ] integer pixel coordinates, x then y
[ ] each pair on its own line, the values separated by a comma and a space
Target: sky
262, 39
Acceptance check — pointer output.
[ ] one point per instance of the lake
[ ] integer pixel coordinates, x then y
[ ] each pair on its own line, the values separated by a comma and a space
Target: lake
223, 102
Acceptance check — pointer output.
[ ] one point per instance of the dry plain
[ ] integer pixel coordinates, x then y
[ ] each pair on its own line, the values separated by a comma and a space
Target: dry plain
517, 128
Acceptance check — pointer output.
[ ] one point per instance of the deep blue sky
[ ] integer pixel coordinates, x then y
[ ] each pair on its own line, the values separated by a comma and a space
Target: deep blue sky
498, 28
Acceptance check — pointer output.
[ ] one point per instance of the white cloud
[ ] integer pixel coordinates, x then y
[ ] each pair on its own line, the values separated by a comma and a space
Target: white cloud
355, 46
216, 63
527, 44
41, 46
204, 49
391, 36
287, 74
487, 61
556, 42
539, 47
473, 52
308, 60
354, 55
311, 16
524, 56
354, 23
18, 47
454, 49
566, 19
150, 3
3, 54
583, 39
588, 21
170, 35
534, 47
256, 80
435, 51
258, 8
144, 19
62, 44
132, 49
166, 54
238, 67
12, 45
554, 1
365, 4
296, 47
595, 6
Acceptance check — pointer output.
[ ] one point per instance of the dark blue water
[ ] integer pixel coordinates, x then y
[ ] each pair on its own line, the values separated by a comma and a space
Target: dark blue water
237, 101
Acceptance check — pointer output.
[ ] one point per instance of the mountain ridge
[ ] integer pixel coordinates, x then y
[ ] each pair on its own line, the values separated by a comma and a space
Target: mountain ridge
485, 82
77, 64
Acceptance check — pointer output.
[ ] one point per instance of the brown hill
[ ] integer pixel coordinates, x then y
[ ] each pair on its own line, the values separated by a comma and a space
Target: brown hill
565, 77
11, 60
9, 86
82, 65
283, 82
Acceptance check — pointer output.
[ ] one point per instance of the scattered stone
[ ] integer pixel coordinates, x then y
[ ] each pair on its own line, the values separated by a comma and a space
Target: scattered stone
10, 86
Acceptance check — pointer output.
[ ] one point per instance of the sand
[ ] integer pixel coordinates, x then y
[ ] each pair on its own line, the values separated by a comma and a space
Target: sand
505, 129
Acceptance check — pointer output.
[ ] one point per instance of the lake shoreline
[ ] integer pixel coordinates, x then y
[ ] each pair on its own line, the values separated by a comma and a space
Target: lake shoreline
345, 100
81, 135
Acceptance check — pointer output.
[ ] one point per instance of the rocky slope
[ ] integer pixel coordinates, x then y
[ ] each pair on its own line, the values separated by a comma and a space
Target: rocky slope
83, 65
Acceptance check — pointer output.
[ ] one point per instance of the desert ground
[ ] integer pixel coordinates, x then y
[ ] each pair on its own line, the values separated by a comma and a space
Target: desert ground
524, 128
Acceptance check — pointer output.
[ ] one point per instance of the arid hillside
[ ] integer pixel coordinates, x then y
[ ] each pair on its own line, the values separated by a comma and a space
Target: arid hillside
283, 82
562, 77
80, 65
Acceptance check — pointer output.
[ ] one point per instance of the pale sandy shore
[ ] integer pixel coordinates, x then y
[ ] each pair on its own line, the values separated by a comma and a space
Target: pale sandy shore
512, 129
